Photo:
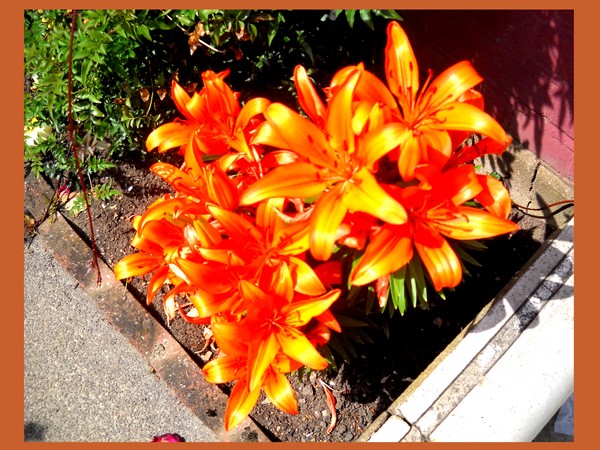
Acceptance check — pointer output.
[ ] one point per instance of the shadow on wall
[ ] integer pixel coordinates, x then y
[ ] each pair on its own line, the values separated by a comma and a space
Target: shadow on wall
525, 58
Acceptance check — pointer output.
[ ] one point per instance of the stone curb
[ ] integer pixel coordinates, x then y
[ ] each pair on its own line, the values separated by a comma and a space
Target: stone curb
157, 346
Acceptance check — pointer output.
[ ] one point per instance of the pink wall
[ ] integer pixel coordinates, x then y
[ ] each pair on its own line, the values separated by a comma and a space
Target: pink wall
526, 60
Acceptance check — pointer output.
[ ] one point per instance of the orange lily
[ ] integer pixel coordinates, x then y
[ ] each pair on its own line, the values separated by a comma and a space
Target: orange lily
428, 113
337, 165
435, 208
272, 324
494, 196
232, 365
214, 121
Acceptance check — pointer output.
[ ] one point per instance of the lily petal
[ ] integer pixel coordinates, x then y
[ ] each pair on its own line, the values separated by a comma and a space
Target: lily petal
170, 135
378, 142
300, 134
156, 282
296, 180
252, 108
462, 116
365, 194
136, 264
401, 69
340, 114
389, 250
295, 345
308, 97
305, 279
474, 223
300, 312
261, 353
280, 392
224, 369
452, 83
442, 264
241, 401
494, 197
327, 216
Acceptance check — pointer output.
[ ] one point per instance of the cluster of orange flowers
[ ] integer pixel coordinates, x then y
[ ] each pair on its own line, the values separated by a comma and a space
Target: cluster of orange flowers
265, 196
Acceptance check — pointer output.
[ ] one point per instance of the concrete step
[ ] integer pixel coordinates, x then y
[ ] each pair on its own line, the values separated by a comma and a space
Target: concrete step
507, 376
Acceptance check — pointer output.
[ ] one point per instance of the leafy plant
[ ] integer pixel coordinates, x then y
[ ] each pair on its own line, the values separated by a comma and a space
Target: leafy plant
114, 60
287, 227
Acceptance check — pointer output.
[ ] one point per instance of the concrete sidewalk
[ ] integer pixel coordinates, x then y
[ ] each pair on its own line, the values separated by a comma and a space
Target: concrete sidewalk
83, 379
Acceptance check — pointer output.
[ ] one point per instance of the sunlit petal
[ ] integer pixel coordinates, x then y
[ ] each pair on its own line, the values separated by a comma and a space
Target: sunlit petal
453, 82
365, 194
282, 284
241, 401
308, 98
292, 239
440, 260
462, 116
177, 178
494, 197
156, 282
207, 304
301, 135
170, 135
280, 392
266, 134
305, 279
339, 118
136, 264
224, 369
214, 277
236, 226
401, 69
297, 346
380, 141
413, 150
297, 180
220, 187
326, 218
252, 108
261, 352
300, 312
389, 250
181, 98
474, 223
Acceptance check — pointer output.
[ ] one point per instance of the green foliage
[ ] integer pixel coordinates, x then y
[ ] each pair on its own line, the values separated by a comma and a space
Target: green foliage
366, 15
115, 57
103, 192
125, 60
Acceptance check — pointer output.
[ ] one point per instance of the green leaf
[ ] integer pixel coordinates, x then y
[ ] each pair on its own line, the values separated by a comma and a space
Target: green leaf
389, 14
397, 289
349, 322
350, 16
85, 70
145, 32
365, 15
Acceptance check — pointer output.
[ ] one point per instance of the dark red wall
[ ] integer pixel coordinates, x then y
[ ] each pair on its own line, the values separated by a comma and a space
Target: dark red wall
526, 60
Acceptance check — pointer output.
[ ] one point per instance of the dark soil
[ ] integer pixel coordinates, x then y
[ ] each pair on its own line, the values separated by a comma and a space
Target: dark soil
380, 372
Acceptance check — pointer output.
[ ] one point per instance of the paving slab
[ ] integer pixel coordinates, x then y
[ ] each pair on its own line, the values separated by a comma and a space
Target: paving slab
83, 381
